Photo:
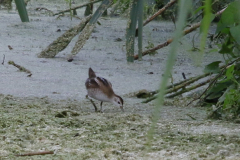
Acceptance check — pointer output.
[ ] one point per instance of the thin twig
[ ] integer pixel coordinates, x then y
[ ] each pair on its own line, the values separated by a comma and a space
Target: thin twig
3, 59
35, 153
22, 69
191, 116
160, 11
183, 74
80, 6
189, 89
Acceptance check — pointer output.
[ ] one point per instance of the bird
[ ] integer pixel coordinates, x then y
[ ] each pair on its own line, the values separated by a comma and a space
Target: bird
101, 89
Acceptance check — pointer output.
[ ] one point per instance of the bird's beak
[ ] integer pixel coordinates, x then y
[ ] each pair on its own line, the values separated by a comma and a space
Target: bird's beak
122, 108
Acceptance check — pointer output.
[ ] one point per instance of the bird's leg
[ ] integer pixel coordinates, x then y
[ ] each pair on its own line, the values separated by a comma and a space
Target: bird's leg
101, 107
95, 107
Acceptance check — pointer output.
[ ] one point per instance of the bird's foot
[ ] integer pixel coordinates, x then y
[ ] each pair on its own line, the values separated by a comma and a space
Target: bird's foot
100, 111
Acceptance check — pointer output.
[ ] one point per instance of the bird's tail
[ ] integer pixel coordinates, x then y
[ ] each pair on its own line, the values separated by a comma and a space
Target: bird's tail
91, 73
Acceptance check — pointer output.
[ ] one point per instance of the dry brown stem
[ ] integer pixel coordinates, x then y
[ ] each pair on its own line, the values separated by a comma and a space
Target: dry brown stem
80, 6
22, 69
35, 153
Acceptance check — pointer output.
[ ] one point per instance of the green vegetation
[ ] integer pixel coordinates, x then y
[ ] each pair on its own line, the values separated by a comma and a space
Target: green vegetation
224, 92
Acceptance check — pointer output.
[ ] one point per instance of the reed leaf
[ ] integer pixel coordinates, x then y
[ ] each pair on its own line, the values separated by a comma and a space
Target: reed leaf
62, 42
21, 7
184, 7
140, 28
208, 17
87, 31
131, 29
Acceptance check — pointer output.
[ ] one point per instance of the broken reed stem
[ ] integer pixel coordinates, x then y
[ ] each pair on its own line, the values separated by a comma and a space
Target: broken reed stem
185, 32
35, 153
187, 82
190, 88
180, 92
184, 83
22, 69
80, 6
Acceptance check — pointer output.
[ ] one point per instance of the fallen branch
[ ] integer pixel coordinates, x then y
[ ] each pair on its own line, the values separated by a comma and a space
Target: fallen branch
22, 69
80, 6
184, 90
185, 32
190, 88
160, 11
182, 85
35, 153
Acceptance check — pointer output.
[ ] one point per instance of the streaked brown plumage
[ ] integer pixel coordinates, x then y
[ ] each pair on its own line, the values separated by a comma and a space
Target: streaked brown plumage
101, 89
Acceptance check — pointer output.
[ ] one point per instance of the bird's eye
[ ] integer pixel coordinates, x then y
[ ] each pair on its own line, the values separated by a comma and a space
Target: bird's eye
118, 102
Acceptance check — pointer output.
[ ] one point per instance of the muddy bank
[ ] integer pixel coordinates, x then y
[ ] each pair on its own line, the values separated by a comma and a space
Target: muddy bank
71, 129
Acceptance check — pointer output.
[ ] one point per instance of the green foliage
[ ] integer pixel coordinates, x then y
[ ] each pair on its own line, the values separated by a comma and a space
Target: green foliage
123, 5
69, 2
149, 46
225, 92
231, 104
212, 67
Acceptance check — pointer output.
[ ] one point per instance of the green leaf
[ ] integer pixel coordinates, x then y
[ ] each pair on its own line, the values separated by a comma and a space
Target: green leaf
227, 47
198, 9
235, 32
205, 24
218, 89
223, 97
212, 67
213, 50
229, 72
230, 16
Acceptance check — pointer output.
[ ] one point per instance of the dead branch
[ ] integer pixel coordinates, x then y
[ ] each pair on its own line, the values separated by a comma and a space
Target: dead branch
185, 32
80, 6
35, 153
22, 69
62, 42
160, 11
